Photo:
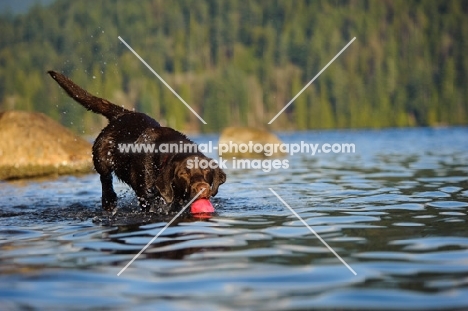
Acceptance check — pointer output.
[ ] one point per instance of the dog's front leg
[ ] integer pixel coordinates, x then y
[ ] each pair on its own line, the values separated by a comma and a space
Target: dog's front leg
152, 203
149, 201
159, 206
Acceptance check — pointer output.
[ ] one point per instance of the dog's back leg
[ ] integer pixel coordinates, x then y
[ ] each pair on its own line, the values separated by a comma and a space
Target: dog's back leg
103, 158
109, 198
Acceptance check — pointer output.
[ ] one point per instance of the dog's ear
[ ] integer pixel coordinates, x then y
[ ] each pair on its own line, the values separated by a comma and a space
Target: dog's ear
164, 183
219, 178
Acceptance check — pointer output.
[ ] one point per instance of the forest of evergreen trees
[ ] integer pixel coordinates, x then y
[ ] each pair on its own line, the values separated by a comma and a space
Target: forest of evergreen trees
239, 62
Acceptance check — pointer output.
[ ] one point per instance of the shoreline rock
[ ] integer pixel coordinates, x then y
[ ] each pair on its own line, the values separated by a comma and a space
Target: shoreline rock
245, 135
32, 145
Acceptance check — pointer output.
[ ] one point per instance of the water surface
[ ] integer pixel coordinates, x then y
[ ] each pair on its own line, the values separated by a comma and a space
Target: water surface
395, 211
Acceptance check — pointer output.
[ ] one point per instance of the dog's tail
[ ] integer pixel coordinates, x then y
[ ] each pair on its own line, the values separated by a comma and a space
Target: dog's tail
90, 102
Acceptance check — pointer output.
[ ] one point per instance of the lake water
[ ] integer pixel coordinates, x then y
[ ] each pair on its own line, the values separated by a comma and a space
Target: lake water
395, 211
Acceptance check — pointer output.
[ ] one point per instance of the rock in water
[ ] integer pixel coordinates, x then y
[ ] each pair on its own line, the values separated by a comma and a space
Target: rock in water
31, 144
248, 135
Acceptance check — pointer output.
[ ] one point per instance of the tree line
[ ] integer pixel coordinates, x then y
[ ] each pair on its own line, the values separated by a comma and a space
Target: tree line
240, 62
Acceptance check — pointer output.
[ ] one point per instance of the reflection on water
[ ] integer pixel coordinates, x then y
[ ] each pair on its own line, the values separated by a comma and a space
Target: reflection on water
395, 211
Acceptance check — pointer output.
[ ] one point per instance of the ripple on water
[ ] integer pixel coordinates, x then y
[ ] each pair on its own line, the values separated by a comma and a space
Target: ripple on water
431, 194
448, 204
450, 189
431, 243
403, 206
408, 224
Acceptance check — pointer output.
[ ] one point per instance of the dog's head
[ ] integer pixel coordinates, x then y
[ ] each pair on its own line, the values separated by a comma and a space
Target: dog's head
185, 176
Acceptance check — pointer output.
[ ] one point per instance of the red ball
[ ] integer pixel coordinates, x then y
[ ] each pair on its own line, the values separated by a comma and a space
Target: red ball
202, 206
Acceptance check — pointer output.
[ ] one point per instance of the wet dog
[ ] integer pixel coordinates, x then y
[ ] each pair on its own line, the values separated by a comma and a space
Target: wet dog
161, 181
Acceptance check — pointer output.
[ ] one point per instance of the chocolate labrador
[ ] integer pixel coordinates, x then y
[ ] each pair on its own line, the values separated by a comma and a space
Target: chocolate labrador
162, 181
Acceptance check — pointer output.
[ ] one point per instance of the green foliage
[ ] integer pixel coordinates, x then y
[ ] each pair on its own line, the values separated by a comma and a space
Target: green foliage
239, 63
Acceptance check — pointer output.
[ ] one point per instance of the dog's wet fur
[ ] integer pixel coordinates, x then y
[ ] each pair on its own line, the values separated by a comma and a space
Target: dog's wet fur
163, 182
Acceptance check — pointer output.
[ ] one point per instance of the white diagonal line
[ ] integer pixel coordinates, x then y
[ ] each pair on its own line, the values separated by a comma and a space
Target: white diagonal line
300, 92
159, 233
312, 230
162, 80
